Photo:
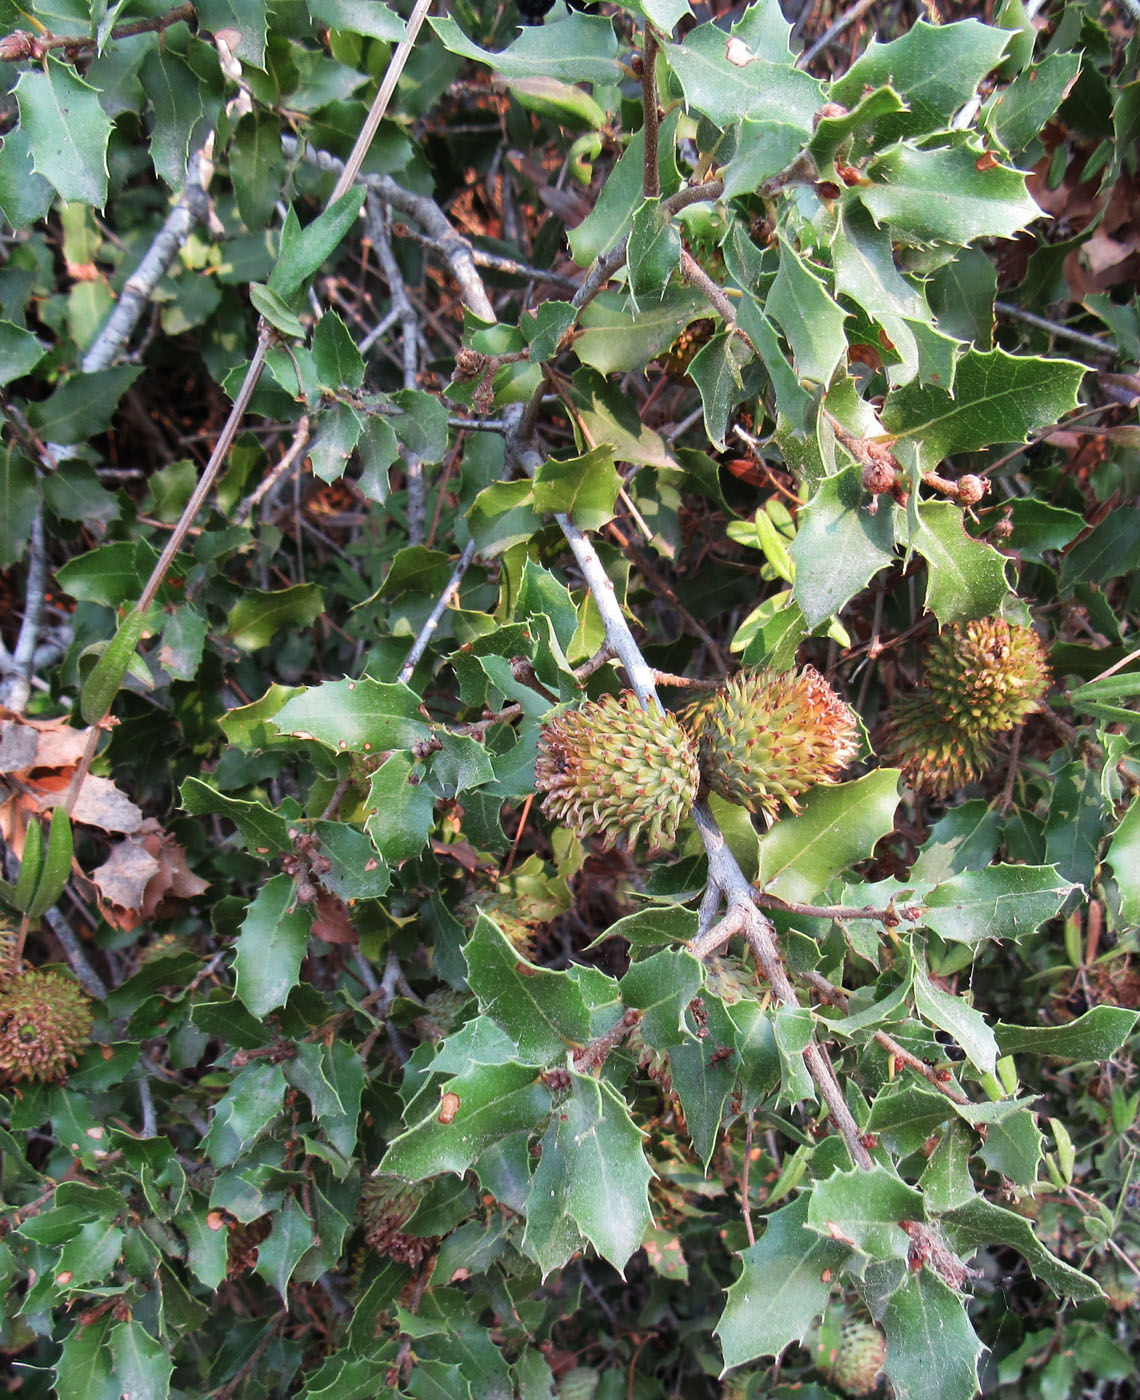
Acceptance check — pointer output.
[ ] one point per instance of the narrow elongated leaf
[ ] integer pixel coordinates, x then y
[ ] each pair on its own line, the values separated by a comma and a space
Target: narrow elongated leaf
303, 250
102, 685
953, 1015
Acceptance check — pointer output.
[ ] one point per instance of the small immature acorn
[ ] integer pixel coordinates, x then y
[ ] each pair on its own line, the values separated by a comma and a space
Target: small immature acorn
613, 769
770, 735
45, 1021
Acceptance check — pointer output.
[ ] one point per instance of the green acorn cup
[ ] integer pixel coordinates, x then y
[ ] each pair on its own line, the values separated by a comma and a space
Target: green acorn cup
982, 679
936, 756
612, 769
859, 1359
988, 676
45, 1021
768, 736
387, 1203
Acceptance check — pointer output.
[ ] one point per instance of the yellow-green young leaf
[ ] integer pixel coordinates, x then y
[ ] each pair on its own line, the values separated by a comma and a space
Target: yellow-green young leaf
67, 130
102, 685
785, 1281
569, 106
56, 869
275, 310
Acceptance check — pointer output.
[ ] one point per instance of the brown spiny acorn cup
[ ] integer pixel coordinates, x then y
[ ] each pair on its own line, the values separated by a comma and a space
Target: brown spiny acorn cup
45, 1021
769, 735
613, 769
936, 756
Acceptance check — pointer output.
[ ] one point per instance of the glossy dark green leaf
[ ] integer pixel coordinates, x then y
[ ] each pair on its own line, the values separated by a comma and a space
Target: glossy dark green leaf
591, 1181
264, 832
584, 488
967, 577
289, 1239
716, 371
541, 1011
811, 318
142, 1364
355, 716
83, 404
1095, 1036
260, 616
728, 88
401, 809
837, 826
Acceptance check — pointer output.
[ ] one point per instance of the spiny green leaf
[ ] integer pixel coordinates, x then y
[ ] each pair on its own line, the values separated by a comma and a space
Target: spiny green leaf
67, 131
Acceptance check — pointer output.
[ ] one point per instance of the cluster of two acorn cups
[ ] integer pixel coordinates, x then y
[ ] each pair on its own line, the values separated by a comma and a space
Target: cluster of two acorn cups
615, 769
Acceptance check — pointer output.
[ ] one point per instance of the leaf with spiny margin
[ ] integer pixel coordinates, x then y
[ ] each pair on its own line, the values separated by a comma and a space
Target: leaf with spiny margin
831, 132
838, 825
935, 69
584, 488
811, 319
68, 131
653, 252
82, 405
364, 17
542, 1011
290, 1238
763, 149
580, 49
947, 195
703, 1080
615, 337
649, 928
494, 1100
932, 1351
784, 1284
727, 92
966, 578
264, 832
592, 1171
1097, 1035
951, 1014
998, 398
864, 1208
142, 1364
715, 370
272, 942
979, 1222
544, 326
840, 546
355, 716
792, 399
1017, 113
1013, 1147
1000, 901
661, 987
401, 808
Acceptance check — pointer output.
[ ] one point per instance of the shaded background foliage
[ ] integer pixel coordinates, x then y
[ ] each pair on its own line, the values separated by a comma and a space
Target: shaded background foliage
322, 920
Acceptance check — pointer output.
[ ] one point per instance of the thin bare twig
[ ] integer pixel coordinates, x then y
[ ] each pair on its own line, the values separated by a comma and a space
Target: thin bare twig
829, 36
288, 459
18, 683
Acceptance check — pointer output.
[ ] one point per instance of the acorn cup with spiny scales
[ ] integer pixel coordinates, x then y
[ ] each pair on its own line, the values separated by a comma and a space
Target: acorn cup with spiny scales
45, 1022
613, 769
982, 680
768, 736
